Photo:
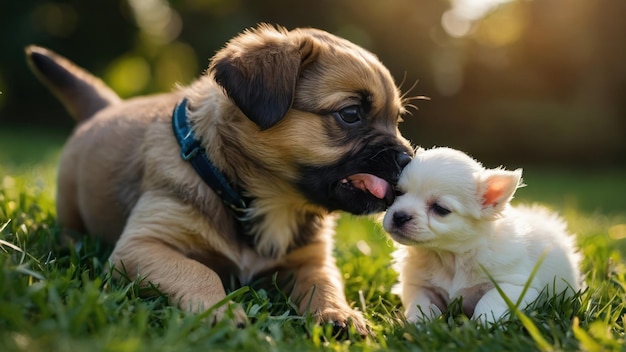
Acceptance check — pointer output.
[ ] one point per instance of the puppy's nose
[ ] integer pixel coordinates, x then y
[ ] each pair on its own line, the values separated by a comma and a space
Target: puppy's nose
400, 218
403, 159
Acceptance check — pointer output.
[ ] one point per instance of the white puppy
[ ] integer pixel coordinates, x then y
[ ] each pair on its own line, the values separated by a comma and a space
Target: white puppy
455, 224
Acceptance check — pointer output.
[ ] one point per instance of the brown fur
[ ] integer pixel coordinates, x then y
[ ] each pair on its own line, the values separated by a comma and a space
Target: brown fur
264, 113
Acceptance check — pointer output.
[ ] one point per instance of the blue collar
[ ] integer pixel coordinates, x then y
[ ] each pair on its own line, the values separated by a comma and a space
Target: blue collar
191, 150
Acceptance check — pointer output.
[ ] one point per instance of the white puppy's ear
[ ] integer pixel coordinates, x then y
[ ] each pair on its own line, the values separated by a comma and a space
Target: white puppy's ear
496, 189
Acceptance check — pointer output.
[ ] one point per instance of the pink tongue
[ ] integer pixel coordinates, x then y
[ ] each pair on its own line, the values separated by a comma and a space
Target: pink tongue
375, 185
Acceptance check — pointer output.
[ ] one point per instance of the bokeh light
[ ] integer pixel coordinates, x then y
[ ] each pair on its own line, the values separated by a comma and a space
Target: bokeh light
524, 80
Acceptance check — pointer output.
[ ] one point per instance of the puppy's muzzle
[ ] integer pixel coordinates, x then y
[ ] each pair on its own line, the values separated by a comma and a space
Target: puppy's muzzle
399, 218
362, 182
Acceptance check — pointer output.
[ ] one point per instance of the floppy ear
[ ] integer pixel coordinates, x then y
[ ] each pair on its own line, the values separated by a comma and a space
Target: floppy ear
258, 70
496, 190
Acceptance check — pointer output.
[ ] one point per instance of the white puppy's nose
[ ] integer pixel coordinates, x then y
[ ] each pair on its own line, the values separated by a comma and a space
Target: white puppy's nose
400, 218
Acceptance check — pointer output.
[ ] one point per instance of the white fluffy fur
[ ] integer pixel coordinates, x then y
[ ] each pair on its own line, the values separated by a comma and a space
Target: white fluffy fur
444, 256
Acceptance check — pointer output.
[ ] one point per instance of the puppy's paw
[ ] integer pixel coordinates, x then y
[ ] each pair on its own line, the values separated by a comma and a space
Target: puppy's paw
490, 315
341, 320
230, 311
419, 315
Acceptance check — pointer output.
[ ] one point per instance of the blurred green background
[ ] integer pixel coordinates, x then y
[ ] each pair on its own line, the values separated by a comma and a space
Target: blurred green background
511, 82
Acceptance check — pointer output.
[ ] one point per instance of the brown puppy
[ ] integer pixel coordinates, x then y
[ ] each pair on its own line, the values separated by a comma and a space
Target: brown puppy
301, 123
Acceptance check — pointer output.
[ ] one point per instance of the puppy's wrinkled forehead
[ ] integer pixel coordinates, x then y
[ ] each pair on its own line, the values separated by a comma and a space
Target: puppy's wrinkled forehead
342, 73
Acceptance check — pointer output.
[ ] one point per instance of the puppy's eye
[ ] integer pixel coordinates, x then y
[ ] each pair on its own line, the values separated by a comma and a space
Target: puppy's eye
439, 210
349, 115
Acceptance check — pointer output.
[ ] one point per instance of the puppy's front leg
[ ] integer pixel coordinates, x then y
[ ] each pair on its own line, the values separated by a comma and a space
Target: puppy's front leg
152, 246
492, 307
420, 303
314, 283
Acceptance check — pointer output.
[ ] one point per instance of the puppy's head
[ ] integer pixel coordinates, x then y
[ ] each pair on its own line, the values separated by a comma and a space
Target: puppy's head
447, 197
318, 112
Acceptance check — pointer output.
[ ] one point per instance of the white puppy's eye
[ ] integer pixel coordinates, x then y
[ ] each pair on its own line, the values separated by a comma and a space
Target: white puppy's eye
439, 209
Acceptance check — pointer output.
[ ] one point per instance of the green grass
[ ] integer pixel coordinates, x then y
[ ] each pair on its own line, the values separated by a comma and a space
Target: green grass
55, 298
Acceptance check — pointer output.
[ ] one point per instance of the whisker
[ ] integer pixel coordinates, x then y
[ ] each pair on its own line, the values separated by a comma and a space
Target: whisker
403, 81
410, 88
407, 102
380, 151
412, 106
416, 97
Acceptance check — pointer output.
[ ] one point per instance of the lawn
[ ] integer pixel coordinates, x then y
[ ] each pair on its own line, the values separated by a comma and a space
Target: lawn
57, 298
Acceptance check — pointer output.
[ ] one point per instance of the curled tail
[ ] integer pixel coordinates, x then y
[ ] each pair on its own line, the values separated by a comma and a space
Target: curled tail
81, 93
